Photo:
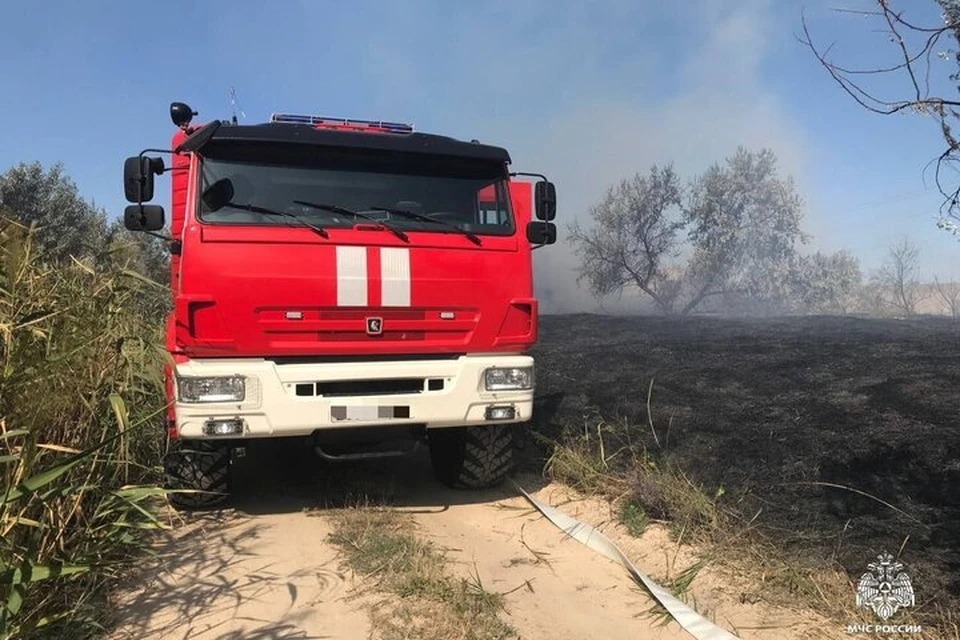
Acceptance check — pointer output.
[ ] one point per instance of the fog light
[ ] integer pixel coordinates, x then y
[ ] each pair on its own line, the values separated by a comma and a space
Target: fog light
500, 413
229, 427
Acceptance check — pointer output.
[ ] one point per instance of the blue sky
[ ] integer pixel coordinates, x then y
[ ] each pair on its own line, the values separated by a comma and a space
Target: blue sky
587, 94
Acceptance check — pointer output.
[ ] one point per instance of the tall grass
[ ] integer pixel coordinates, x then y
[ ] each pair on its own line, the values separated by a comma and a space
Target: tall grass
81, 431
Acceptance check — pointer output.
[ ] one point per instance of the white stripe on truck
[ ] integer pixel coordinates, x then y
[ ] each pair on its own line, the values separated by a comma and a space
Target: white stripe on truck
395, 277
351, 276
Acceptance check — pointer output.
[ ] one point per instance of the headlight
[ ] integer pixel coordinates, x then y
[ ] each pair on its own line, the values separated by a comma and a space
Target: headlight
508, 378
218, 389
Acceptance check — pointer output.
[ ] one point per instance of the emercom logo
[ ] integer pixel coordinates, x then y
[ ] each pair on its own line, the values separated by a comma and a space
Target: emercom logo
885, 588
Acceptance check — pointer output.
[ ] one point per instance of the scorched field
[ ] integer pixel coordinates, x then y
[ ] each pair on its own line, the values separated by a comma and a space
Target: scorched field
811, 422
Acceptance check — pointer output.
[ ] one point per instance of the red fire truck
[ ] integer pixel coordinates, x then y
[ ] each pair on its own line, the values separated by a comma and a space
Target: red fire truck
352, 283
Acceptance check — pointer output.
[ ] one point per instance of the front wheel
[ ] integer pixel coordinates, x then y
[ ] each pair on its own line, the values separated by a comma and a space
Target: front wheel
199, 465
471, 457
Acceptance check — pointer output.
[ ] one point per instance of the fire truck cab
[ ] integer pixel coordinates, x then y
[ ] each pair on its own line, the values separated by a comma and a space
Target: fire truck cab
348, 282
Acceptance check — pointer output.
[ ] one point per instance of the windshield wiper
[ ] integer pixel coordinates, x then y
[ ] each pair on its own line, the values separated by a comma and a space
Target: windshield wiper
271, 212
419, 216
335, 208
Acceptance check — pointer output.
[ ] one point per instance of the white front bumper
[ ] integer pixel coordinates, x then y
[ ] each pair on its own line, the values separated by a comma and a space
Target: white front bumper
273, 408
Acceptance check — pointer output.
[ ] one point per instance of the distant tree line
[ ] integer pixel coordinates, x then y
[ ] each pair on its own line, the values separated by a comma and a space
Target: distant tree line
68, 227
730, 241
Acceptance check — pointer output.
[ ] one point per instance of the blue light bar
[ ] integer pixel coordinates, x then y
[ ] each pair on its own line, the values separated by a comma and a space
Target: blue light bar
288, 118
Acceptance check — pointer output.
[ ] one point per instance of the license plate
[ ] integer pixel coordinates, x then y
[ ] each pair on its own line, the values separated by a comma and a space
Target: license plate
368, 413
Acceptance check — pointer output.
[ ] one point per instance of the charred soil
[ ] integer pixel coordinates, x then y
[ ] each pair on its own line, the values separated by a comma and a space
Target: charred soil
797, 418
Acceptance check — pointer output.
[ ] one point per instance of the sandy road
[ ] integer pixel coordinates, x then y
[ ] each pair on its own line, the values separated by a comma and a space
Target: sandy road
263, 569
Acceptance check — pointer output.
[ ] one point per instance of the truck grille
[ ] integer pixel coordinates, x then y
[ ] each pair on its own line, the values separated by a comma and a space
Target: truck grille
337, 326
382, 387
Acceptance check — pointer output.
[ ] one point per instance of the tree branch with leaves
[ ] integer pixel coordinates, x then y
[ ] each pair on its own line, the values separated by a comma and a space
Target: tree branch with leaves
916, 47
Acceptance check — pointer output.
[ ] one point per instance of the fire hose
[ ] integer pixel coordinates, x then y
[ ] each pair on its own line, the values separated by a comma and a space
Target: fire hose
692, 622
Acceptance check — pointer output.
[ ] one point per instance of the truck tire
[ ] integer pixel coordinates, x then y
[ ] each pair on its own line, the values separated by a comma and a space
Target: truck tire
471, 457
198, 464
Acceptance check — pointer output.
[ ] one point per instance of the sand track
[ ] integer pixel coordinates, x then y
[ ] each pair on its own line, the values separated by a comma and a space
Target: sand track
263, 568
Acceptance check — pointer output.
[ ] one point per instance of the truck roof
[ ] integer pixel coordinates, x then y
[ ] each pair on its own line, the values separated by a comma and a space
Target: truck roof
307, 134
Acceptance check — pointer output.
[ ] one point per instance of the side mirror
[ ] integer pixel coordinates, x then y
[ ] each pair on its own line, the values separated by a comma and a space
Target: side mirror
545, 199
143, 217
541, 232
138, 173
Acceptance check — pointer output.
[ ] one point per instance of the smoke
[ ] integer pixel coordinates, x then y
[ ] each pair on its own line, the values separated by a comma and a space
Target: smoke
596, 143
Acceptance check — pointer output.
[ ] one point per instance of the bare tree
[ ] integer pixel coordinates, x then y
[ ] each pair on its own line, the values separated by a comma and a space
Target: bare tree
898, 276
915, 47
635, 232
949, 292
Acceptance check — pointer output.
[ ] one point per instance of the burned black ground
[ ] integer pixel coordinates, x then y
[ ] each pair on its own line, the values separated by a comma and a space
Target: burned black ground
768, 407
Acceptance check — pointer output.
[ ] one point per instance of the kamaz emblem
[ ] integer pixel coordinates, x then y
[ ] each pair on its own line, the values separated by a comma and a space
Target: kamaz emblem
374, 326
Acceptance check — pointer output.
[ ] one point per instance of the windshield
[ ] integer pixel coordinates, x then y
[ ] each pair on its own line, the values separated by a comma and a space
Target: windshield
453, 203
